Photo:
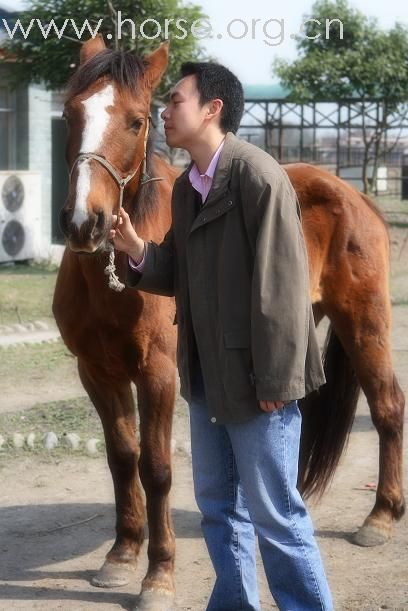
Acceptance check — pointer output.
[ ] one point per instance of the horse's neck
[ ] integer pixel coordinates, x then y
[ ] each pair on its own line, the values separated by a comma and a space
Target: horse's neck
153, 218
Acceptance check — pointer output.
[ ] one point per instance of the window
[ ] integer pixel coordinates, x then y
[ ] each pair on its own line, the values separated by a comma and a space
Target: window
6, 119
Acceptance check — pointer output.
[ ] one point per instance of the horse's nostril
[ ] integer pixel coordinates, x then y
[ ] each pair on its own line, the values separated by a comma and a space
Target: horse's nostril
96, 224
100, 221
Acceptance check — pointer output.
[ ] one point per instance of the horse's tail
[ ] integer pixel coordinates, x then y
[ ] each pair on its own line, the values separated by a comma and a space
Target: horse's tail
328, 416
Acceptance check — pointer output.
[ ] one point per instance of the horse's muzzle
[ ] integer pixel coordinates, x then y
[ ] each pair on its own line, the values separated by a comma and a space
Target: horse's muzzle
91, 234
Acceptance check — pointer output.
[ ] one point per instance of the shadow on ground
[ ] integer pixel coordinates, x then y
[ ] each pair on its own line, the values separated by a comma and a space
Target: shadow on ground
35, 537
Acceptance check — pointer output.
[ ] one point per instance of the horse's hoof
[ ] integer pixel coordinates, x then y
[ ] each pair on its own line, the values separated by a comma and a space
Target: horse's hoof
370, 536
155, 600
113, 575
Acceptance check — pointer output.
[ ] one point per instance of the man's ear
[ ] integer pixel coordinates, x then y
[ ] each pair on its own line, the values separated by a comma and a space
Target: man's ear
157, 64
215, 108
91, 47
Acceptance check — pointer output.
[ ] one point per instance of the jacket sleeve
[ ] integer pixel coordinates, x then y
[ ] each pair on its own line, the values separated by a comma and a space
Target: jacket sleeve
158, 272
280, 302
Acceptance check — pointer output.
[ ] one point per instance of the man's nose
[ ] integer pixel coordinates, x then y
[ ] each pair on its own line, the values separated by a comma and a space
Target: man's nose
164, 114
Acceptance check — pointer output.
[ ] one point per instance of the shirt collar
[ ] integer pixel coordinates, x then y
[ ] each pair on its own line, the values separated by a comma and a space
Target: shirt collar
194, 173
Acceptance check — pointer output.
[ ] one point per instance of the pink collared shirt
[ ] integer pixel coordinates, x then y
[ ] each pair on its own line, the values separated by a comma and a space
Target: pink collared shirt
201, 183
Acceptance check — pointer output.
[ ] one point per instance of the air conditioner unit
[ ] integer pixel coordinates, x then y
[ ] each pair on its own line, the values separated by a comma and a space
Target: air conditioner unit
20, 215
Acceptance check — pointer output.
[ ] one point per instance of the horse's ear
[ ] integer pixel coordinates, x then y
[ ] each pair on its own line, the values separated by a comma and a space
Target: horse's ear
91, 47
157, 64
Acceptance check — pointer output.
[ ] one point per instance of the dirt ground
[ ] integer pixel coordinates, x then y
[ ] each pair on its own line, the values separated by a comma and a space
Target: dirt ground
44, 568
47, 564
47, 567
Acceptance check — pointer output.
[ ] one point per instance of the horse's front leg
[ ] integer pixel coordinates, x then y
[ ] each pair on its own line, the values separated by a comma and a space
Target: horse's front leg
156, 395
114, 403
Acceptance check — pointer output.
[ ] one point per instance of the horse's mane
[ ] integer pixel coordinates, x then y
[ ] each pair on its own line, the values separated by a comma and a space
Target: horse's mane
122, 67
126, 70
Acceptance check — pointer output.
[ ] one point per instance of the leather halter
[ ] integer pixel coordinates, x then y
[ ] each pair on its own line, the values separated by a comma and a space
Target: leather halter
115, 173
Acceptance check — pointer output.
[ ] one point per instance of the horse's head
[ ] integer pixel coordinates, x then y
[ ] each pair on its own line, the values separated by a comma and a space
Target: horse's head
107, 110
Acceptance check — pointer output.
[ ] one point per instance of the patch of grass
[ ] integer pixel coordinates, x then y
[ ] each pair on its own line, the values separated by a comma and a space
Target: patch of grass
39, 360
26, 292
399, 224
73, 415
69, 416
27, 269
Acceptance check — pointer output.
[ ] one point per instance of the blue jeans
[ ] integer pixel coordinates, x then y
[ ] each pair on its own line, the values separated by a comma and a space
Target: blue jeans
245, 483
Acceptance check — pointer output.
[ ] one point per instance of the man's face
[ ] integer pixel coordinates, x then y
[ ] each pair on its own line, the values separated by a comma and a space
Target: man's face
183, 116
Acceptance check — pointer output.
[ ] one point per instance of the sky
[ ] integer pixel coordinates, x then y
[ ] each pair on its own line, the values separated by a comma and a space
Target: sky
249, 56
251, 59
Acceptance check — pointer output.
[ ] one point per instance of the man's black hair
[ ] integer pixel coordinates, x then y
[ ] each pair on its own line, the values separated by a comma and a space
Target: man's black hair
216, 81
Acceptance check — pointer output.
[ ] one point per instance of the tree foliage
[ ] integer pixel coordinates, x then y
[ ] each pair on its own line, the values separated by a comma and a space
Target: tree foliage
364, 65
368, 62
52, 60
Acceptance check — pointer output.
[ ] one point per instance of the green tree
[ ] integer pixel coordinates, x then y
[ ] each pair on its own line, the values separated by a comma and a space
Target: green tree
53, 59
368, 64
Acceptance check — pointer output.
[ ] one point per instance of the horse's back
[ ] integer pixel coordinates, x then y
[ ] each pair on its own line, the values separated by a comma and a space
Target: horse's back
346, 235
317, 187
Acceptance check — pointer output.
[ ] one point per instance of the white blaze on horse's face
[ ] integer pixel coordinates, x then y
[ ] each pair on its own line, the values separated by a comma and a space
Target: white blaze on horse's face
96, 122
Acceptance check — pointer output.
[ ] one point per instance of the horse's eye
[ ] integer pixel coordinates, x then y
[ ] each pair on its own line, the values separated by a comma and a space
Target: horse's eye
136, 125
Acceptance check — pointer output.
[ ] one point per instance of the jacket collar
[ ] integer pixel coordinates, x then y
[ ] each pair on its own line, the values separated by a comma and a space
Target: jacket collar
222, 172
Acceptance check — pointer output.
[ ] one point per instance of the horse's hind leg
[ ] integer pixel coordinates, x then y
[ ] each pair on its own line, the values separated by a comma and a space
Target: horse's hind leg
114, 403
156, 395
386, 402
366, 339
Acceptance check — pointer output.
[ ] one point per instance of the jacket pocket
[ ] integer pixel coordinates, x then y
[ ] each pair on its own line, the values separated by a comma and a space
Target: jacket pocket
237, 339
237, 365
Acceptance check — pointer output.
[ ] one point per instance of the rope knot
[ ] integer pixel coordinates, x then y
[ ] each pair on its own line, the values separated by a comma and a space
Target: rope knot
110, 269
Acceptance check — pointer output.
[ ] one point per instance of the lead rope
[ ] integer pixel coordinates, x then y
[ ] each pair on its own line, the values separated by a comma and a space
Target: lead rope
113, 280
110, 270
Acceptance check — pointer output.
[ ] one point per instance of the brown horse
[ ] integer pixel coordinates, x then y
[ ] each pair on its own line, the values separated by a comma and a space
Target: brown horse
121, 337
128, 336
348, 249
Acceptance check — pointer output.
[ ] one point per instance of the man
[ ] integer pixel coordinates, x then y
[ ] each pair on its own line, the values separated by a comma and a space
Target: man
236, 261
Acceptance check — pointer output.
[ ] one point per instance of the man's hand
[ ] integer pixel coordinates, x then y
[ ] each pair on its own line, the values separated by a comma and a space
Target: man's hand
270, 406
125, 237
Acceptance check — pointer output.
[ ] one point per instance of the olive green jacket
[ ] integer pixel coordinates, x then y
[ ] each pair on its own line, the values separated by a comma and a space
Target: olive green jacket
240, 276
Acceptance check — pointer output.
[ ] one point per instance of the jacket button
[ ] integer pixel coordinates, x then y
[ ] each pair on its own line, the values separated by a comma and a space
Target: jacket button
213, 419
229, 203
